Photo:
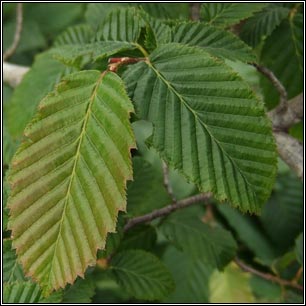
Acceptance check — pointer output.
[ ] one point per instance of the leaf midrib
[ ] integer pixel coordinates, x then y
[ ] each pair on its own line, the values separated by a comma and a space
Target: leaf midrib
159, 75
77, 156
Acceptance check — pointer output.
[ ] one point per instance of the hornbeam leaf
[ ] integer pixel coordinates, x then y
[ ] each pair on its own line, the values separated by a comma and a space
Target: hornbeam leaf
213, 245
207, 123
215, 41
68, 177
142, 275
226, 14
21, 292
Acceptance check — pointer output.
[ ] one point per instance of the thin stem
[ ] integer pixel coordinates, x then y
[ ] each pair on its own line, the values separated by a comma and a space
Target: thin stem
167, 210
143, 51
195, 11
267, 276
167, 182
19, 18
276, 83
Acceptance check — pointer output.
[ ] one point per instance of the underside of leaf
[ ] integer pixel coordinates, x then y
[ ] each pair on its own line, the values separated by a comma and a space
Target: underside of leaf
207, 123
68, 177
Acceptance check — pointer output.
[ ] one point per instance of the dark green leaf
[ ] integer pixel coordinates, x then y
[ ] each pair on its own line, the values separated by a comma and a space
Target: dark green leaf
226, 14
21, 292
142, 275
217, 42
213, 245
299, 248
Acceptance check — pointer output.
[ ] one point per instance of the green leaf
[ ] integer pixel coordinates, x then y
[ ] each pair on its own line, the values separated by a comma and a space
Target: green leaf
217, 42
167, 10
230, 286
12, 270
226, 14
21, 292
263, 23
299, 248
250, 234
282, 215
115, 28
74, 35
81, 291
78, 55
191, 277
213, 245
142, 275
97, 12
146, 192
68, 177
5, 195
40, 80
139, 237
207, 124
287, 65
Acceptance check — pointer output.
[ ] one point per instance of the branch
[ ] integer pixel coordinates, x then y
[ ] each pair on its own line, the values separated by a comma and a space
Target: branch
11, 50
13, 74
267, 276
284, 117
195, 11
167, 210
276, 83
167, 182
291, 152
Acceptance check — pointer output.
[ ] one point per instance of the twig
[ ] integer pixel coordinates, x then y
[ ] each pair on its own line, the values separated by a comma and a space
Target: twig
291, 152
13, 74
298, 275
115, 62
11, 50
283, 119
167, 210
167, 182
267, 276
195, 11
276, 83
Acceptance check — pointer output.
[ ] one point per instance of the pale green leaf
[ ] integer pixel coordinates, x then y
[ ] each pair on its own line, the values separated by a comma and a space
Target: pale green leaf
142, 275
79, 34
263, 23
146, 192
282, 216
226, 14
216, 41
213, 245
191, 277
299, 248
40, 80
286, 63
207, 123
250, 234
68, 177
21, 292
230, 286
12, 270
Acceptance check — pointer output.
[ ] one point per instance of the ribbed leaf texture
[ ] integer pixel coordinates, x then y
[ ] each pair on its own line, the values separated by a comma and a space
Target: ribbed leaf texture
121, 25
207, 123
263, 23
142, 275
217, 42
288, 64
213, 245
44, 74
21, 292
68, 177
226, 14
79, 34
12, 270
